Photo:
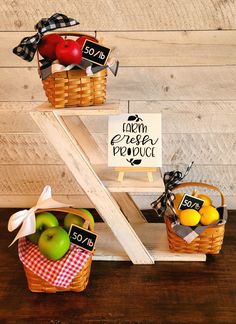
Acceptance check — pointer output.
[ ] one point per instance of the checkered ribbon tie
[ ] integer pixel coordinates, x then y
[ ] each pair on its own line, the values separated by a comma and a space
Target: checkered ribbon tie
171, 180
28, 46
58, 273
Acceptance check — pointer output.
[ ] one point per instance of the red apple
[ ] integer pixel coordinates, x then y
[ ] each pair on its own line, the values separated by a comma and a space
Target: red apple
68, 52
47, 46
81, 40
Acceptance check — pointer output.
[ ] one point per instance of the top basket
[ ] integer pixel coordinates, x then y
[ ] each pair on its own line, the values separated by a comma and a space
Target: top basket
74, 87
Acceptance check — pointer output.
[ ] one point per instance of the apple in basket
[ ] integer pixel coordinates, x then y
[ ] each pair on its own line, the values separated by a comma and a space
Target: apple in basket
68, 52
82, 39
76, 220
43, 221
47, 46
54, 242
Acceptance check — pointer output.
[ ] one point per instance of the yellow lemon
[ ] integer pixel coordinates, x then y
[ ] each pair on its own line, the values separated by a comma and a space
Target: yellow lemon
209, 215
207, 200
177, 201
189, 217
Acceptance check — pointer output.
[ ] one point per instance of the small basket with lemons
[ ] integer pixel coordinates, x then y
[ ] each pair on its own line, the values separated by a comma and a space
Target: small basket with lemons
193, 223
196, 231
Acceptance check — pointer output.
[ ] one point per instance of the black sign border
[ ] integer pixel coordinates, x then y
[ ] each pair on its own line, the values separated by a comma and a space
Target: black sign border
86, 230
190, 196
88, 40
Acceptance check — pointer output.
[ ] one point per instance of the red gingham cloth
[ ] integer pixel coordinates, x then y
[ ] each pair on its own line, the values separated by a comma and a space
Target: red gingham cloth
58, 273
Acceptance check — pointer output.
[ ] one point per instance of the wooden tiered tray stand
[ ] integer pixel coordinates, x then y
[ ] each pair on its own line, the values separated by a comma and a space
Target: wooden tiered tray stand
125, 234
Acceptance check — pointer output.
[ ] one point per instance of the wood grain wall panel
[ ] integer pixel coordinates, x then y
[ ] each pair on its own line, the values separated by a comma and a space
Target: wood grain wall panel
27, 201
30, 179
123, 14
136, 83
175, 48
198, 116
27, 149
15, 118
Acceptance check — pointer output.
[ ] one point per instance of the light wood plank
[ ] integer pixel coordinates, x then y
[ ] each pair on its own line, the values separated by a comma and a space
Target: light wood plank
191, 116
73, 156
129, 208
198, 116
133, 181
27, 149
108, 108
31, 179
150, 48
15, 118
154, 237
27, 201
140, 83
123, 14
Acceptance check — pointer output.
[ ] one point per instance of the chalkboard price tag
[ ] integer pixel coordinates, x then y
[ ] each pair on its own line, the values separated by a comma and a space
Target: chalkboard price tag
95, 52
191, 202
85, 239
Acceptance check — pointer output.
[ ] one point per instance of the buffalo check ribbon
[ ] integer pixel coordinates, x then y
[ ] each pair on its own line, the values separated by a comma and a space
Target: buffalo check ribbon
171, 180
58, 273
28, 45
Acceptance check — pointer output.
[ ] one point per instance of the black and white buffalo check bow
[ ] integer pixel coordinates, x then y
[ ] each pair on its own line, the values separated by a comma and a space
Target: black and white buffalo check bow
28, 46
171, 180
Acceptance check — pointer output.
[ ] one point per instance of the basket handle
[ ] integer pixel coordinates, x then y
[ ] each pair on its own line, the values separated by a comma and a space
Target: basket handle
74, 211
67, 33
202, 185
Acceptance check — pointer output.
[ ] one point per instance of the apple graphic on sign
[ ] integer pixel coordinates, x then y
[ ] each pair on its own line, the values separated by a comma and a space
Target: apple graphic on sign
68, 52
54, 242
77, 220
43, 221
47, 46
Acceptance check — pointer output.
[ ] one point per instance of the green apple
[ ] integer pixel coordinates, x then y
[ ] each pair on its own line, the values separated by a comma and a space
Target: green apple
54, 242
76, 220
43, 221
89, 215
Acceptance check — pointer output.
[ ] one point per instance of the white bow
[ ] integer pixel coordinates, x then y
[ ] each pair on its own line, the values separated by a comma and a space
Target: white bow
26, 217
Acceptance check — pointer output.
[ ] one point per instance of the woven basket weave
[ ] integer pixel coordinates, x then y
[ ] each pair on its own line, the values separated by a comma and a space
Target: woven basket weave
74, 87
79, 283
208, 242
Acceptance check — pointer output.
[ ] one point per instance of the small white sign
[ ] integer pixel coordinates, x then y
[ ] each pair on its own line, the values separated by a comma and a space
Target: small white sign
134, 140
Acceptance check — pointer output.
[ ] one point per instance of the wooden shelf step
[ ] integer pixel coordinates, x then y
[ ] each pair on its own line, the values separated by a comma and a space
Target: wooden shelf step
109, 108
133, 181
153, 236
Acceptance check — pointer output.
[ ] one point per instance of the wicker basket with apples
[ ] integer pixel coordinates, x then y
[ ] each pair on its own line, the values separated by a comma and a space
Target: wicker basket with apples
50, 245
73, 66
70, 87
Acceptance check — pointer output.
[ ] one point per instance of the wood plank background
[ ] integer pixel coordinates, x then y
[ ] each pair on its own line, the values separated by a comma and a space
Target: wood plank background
177, 57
